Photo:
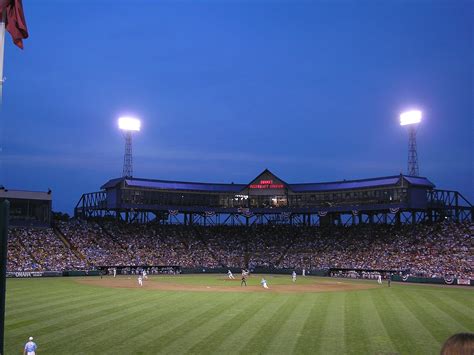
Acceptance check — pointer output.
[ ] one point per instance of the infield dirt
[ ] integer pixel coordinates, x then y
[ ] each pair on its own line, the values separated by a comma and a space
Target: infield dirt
320, 286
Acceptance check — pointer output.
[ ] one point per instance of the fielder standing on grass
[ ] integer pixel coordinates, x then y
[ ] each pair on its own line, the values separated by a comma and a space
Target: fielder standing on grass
243, 281
30, 347
293, 276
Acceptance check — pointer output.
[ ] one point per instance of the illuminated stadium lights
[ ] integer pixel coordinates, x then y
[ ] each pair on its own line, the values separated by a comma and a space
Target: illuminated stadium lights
410, 117
129, 123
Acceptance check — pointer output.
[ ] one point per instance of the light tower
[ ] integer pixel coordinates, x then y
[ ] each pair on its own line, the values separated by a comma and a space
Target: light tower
128, 125
411, 119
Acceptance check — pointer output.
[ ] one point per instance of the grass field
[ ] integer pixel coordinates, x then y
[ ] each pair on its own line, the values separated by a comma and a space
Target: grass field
69, 317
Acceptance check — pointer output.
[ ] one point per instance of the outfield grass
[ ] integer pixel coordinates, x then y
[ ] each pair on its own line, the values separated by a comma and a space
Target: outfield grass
66, 317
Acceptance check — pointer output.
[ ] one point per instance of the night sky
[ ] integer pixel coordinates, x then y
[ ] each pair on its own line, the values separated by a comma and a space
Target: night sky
311, 90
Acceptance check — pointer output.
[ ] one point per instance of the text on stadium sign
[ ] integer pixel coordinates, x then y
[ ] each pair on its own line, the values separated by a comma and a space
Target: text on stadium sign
266, 184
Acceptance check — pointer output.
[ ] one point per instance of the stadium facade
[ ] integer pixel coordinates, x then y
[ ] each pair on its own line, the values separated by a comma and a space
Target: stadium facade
269, 199
28, 208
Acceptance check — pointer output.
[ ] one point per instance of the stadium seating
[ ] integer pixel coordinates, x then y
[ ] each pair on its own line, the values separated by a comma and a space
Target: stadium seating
433, 250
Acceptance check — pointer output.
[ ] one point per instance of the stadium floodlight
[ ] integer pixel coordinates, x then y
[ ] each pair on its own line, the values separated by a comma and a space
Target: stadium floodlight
412, 119
128, 125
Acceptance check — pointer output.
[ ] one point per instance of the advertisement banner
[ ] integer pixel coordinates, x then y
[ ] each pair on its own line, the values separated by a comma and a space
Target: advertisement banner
28, 274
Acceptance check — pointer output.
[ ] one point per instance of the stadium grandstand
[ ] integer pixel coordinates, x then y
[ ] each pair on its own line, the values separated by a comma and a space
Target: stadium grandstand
269, 199
397, 224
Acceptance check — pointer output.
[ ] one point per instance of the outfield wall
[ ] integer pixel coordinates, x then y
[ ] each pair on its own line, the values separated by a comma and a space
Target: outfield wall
323, 273
434, 280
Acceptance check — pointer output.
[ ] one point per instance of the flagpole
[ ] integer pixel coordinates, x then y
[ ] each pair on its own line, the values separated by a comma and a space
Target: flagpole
2, 50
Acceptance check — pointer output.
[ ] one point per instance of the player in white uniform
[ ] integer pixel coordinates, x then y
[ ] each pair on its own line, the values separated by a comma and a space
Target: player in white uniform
264, 283
293, 276
145, 276
379, 279
230, 275
30, 347
140, 280
115, 272
304, 272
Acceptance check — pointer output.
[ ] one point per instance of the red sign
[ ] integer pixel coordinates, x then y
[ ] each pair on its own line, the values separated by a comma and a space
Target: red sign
266, 184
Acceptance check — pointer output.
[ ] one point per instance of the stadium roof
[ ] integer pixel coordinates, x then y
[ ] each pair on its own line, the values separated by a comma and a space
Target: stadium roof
360, 184
178, 185
301, 187
25, 195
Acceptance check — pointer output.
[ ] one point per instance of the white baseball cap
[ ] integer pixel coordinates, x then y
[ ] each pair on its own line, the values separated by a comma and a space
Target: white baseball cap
30, 338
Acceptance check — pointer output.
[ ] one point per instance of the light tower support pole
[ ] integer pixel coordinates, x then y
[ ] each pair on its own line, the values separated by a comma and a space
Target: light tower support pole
3, 17
413, 169
127, 158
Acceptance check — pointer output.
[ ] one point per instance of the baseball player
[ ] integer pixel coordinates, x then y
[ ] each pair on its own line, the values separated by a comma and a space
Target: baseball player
230, 275
30, 347
389, 279
115, 272
293, 276
264, 283
145, 276
304, 272
243, 280
140, 280
379, 279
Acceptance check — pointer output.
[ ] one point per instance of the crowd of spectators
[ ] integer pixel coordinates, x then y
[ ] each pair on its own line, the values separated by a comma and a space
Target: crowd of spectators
422, 250
39, 249
433, 250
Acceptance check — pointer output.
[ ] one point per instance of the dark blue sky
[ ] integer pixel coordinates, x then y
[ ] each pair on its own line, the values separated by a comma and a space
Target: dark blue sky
311, 90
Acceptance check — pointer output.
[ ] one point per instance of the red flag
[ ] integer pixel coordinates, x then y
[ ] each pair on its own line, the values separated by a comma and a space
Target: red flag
15, 20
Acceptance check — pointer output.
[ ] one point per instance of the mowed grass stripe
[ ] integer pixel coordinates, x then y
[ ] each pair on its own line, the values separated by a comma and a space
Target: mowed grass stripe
266, 334
465, 307
456, 311
211, 322
442, 325
308, 342
24, 298
355, 335
410, 332
372, 328
95, 323
38, 304
180, 323
290, 331
391, 323
425, 319
52, 291
54, 319
50, 309
126, 332
15, 322
245, 331
237, 315
332, 336
50, 332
